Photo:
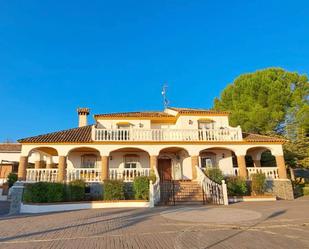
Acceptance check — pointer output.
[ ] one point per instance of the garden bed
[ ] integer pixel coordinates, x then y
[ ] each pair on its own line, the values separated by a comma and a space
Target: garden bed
70, 206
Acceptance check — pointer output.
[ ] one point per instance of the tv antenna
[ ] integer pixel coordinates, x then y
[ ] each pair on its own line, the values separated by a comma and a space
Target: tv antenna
165, 100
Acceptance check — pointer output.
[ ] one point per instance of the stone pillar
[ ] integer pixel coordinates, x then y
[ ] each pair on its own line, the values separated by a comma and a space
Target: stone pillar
104, 168
39, 164
194, 162
153, 162
257, 163
281, 167
62, 165
50, 165
23, 163
242, 169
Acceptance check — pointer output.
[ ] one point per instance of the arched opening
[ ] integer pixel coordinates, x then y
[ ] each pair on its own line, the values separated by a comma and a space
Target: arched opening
83, 158
260, 157
42, 157
218, 157
174, 164
128, 163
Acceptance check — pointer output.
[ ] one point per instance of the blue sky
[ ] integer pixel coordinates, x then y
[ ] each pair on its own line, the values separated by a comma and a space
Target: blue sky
115, 55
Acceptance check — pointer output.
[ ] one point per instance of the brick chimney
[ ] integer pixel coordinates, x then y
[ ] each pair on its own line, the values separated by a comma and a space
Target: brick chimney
82, 116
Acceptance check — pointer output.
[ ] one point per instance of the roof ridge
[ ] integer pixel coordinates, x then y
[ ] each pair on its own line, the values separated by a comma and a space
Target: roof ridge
53, 133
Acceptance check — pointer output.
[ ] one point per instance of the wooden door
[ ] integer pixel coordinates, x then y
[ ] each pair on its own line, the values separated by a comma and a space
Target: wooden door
165, 169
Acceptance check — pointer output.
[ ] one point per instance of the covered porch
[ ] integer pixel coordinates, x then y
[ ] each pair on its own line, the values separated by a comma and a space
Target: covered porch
84, 163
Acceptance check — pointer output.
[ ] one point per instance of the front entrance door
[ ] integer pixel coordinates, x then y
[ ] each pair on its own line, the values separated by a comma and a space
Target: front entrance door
165, 169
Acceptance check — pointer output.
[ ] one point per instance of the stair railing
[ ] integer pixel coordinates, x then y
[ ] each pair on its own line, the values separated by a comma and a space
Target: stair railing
154, 190
213, 192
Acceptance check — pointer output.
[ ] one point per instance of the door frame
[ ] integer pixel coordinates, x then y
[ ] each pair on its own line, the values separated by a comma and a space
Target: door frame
170, 167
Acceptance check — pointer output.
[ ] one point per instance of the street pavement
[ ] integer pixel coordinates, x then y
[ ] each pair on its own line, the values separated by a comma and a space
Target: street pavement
281, 224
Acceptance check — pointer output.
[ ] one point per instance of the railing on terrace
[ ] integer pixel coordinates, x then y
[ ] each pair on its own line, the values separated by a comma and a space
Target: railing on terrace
86, 174
42, 175
127, 175
270, 172
225, 134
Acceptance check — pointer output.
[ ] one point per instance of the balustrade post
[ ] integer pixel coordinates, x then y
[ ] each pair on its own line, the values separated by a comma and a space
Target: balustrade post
23, 163
62, 164
281, 167
242, 166
104, 168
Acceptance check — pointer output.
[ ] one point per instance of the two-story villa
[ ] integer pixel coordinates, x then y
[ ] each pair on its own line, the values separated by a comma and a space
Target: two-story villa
124, 145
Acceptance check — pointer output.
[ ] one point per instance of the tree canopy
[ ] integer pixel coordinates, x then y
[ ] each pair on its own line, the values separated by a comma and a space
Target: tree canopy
272, 101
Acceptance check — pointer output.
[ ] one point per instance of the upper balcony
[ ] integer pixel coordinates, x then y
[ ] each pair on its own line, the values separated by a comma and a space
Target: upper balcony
161, 135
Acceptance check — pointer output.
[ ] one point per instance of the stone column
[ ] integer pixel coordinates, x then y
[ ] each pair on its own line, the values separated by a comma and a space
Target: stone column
281, 167
104, 168
194, 162
257, 163
153, 162
50, 165
62, 165
242, 169
23, 163
39, 164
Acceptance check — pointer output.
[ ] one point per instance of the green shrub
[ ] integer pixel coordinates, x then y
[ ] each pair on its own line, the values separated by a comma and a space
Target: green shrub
128, 191
141, 188
236, 185
113, 190
36, 192
55, 192
305, 190
258, 183
214, 174
46, 192
11, 179
75, 190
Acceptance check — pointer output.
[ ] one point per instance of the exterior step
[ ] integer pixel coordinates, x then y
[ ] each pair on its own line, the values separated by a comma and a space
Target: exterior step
182, 192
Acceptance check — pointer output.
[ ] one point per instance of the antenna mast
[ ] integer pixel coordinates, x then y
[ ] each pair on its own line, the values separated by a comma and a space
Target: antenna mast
165, 100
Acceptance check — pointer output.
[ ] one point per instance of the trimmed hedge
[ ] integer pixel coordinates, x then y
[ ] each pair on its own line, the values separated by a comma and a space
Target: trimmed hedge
236, 185
46, 192
76, 190
141, 188
258, 183
113, 190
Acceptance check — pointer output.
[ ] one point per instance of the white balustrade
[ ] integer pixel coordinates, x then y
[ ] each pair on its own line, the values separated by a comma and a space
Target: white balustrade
226, 134
270, 172
86, 174
127, 175
214, 192
42, 175
154, 190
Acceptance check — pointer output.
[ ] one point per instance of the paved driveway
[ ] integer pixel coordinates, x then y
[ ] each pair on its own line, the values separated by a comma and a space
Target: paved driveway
282, 224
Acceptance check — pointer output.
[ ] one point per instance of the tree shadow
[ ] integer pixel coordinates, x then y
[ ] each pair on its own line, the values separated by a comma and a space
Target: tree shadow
271, 216
123, 222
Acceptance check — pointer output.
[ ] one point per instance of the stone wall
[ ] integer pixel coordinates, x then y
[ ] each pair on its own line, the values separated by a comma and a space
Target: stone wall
282, 188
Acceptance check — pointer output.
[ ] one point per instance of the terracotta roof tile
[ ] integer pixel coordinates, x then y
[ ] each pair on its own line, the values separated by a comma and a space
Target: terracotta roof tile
10, 147
80, 135
197, 111
150, 114
250, 137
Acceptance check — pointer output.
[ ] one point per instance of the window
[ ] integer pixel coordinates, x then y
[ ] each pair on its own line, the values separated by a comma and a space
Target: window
205, 124
89, 161
208, 160
131, 161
